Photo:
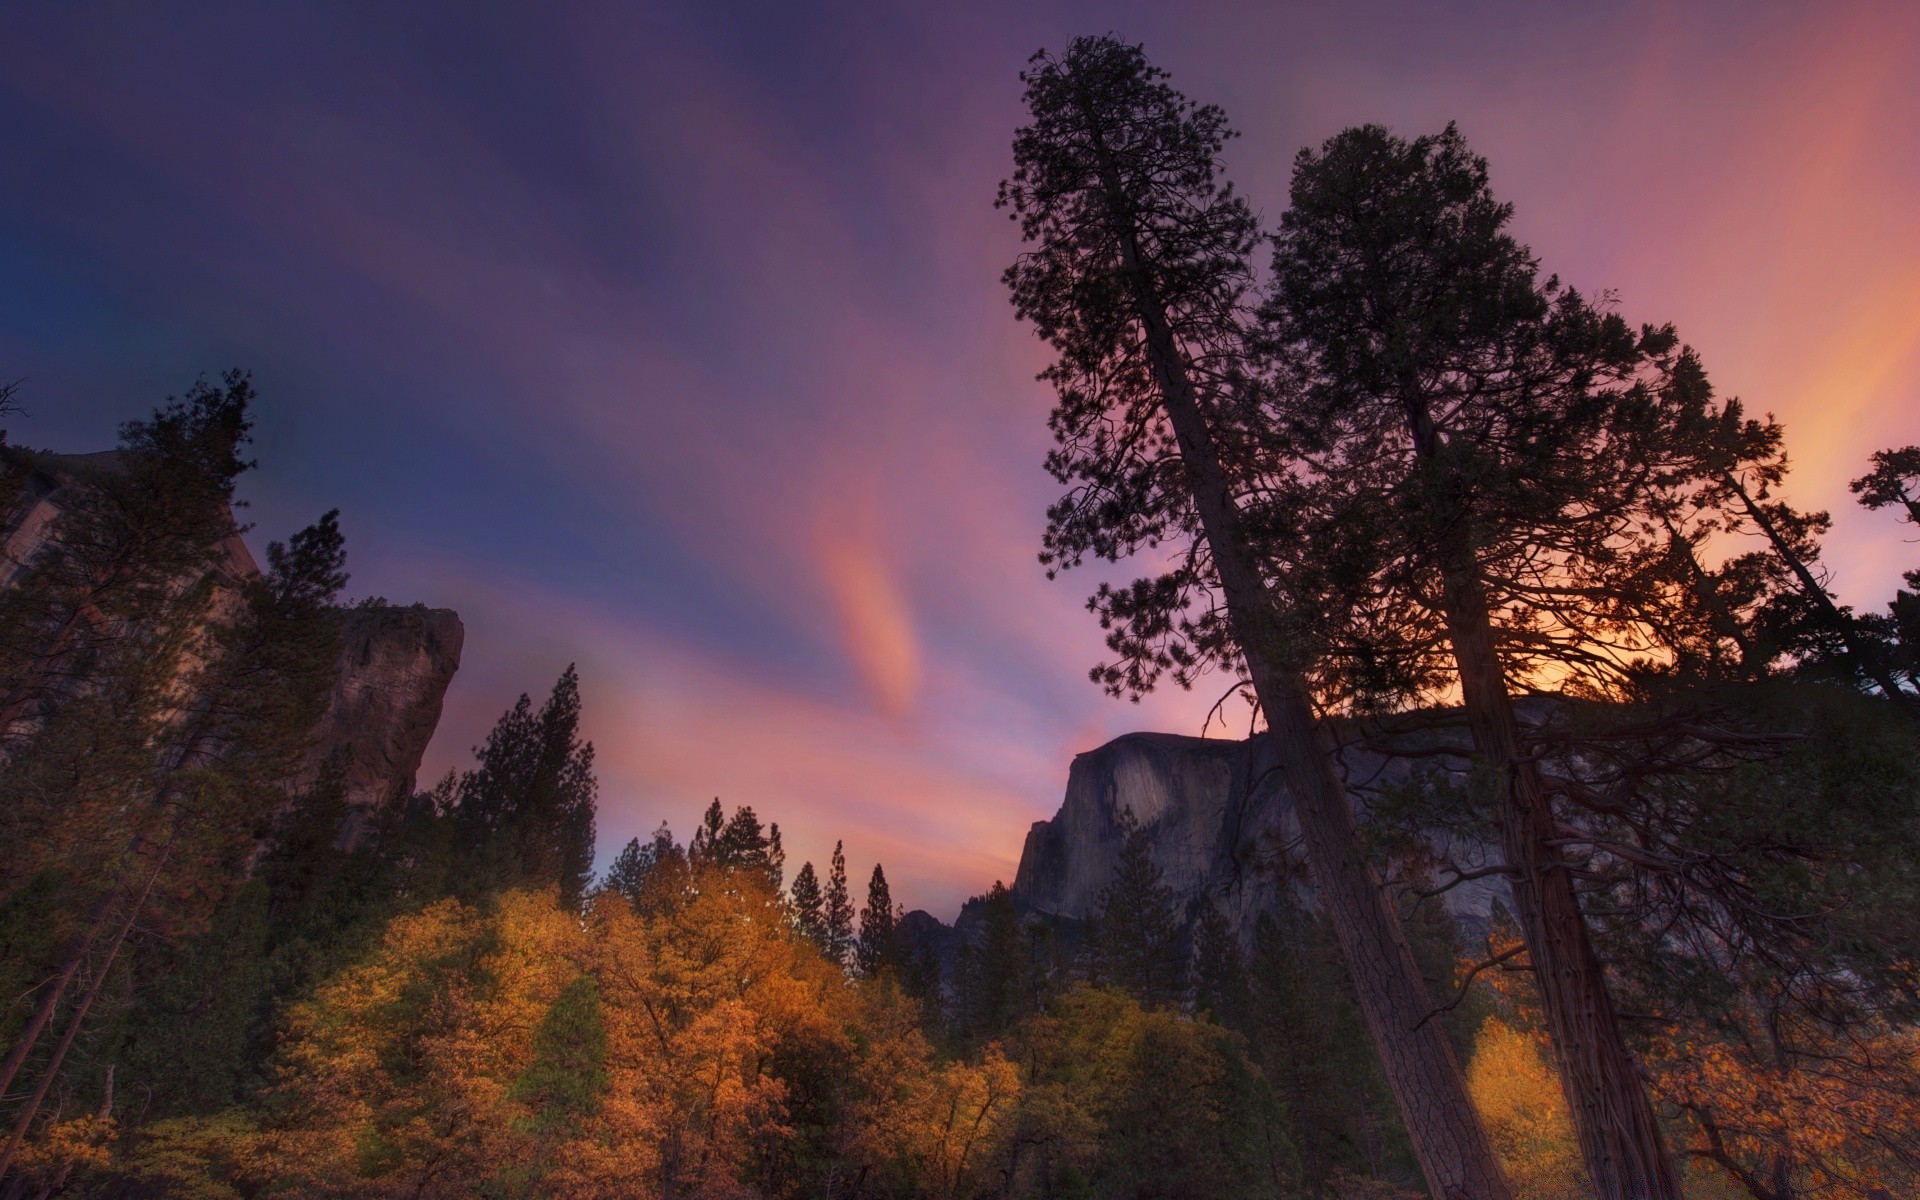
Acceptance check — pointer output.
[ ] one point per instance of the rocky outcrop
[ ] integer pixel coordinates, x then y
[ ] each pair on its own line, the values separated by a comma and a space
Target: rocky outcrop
1219, 820
395, 665
395, 662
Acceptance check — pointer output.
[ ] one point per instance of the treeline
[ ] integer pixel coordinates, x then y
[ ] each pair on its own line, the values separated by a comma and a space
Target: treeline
221, 989
1386, 469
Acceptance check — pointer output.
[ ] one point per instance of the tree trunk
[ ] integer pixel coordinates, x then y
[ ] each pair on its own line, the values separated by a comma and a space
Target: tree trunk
32, 1108
1421, 1070
1620, 1139
71, 957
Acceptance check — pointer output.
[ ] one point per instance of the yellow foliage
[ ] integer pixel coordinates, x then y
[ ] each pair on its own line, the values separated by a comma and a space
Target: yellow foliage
65, 1146
409, 1074
1519, 1097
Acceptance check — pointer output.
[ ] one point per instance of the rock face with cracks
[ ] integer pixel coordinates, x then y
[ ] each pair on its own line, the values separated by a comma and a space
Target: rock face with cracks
395, 665
1219, 820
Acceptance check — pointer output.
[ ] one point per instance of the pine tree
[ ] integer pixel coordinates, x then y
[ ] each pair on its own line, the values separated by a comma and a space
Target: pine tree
1137, 946
134, 537
837, 916
1895, 479
707, 839
627, 875
994, 976
1140, 260
1778, 591
876, 949
1483, 452
1219, 970
185, 726
530, 800
809, 912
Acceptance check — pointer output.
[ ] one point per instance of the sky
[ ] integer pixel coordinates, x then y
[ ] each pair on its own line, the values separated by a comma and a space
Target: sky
670, 339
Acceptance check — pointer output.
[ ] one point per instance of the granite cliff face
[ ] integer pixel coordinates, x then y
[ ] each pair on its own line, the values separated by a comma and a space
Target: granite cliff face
1219, 820
395, 665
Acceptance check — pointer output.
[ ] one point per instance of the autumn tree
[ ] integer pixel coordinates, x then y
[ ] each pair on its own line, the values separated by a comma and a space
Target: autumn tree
1138, 266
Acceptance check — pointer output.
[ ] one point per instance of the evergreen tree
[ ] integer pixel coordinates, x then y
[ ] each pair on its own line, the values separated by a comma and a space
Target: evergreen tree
1137, 946
837, 915
809, 907
994, 974
708, 837
876, 949
1499, 438
1219, 971
568, 1075
737, 844
1895, 479
1302, 1019
530, 799
184, 733
627, 875
135, 536
1139, 263
1778, 592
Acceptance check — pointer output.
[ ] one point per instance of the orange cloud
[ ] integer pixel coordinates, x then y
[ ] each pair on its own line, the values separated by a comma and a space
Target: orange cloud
876, 625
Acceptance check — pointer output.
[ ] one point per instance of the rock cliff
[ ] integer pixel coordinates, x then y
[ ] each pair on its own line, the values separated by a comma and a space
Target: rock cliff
395, 665
1219, 820
395, 662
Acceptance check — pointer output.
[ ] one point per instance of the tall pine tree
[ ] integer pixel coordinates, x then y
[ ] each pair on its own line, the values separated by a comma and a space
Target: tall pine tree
876, 949
809, 906
530, 800
1138, 267
837, 914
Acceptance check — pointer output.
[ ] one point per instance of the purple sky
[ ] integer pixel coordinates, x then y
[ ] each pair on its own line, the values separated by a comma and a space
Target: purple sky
670, 339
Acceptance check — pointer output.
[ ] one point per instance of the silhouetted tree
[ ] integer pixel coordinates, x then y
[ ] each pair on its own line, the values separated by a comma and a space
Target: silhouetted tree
1895, 479
532, 796
628, 873
876, 947
1137, 270
837, 911
809, 906
1503, 436
994, 976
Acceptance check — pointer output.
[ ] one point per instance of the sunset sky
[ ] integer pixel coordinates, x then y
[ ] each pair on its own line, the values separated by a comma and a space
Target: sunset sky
669, 339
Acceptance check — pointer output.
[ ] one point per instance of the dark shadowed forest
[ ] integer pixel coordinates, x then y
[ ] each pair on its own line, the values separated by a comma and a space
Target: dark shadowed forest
1384, 478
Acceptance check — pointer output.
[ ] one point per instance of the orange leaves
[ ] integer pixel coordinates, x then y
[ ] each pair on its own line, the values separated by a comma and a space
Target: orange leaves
1837, 1116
